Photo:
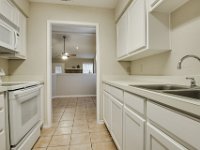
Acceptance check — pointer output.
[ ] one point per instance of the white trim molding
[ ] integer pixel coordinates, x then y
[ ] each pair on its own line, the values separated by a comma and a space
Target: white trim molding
66, 96
48, 103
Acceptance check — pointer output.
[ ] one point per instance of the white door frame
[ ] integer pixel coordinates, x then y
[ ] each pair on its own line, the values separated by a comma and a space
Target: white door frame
48, 104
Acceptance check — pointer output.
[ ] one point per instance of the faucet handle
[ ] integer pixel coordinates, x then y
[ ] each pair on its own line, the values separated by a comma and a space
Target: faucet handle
192, 81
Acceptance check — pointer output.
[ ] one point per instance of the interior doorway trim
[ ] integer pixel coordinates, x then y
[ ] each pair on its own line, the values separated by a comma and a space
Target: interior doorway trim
48, 103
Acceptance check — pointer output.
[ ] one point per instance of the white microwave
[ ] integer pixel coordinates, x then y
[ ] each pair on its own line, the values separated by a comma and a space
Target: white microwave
9, 38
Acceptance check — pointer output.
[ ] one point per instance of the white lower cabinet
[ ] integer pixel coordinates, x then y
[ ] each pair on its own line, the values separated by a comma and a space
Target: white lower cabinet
137, 123
157, 140
2, 123
133, 131
107, 109
116, 122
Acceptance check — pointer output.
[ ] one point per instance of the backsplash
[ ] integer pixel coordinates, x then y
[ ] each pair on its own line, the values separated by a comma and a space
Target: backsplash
185, 37
4, 65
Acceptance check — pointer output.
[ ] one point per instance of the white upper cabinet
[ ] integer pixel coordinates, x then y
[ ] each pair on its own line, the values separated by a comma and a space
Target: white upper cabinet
122, 35
136, 26
147, 34
166, 6
9, 11
22, 37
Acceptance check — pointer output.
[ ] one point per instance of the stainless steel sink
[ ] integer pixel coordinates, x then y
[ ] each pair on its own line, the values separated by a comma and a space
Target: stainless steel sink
161, 87
186, 93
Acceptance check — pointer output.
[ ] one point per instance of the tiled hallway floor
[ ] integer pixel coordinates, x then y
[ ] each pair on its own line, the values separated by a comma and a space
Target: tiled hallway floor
75, 128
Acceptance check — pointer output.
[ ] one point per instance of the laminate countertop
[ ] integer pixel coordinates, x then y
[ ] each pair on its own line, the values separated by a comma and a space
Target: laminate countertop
187, 105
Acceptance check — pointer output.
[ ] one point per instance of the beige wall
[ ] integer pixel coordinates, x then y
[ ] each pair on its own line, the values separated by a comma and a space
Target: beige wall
74, 85
4, 65
35, 65
23, 5
37, 31
120, 8
185, 40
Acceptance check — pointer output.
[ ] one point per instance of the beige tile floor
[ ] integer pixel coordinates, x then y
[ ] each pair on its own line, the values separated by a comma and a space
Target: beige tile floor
74, 127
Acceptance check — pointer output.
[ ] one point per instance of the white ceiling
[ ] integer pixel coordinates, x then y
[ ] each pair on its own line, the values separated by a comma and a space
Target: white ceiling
89, 3
82, 36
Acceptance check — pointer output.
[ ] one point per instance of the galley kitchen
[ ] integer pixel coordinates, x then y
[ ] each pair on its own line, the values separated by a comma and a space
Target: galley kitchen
99, 75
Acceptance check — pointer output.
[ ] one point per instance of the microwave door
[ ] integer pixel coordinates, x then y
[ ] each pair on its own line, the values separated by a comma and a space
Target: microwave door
7, 36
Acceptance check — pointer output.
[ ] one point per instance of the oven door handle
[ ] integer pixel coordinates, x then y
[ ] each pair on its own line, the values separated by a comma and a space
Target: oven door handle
27, 97
27, 94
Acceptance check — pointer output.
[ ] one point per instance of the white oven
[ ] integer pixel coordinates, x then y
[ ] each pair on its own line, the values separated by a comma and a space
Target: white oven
24, 112
9, 37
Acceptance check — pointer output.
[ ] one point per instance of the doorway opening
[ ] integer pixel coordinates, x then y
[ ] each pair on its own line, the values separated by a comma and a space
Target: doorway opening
72, 80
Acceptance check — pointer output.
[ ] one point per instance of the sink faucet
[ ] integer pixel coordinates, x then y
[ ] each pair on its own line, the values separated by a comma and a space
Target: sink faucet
192, 82
184, 57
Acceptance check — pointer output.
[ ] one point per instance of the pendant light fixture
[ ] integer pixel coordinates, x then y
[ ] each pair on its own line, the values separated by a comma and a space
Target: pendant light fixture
64, 54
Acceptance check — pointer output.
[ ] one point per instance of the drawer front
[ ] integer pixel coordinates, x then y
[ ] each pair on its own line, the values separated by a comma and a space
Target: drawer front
1, 101
117, 93
135, 102
183, 127
106, 87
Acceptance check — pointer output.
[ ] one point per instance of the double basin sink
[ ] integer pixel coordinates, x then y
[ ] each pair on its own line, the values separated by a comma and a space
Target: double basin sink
177, 90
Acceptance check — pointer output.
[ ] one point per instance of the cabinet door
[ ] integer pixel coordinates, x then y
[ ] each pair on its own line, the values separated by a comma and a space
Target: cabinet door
133, 131
22, 36
2, 123
6, 9
116, 122
157, 140
107, 109
122, 33
136, 26
9, 11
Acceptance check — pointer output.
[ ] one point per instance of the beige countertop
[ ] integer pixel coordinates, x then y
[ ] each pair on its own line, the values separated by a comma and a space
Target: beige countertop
187, 105
20, 84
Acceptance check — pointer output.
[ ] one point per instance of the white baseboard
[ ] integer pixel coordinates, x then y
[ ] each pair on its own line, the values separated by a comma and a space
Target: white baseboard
63, 96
